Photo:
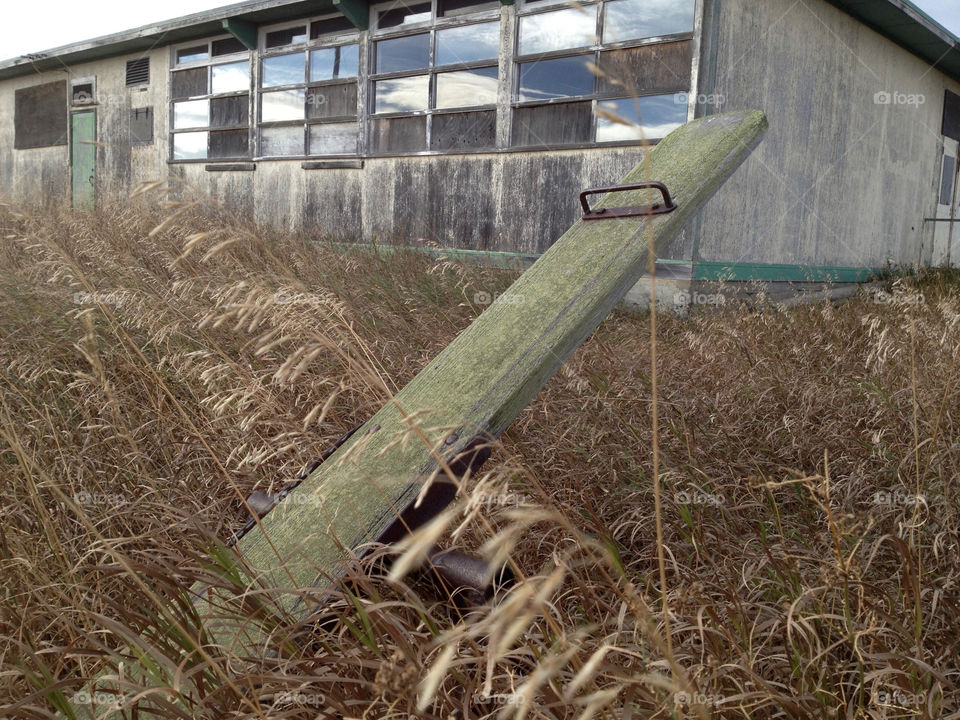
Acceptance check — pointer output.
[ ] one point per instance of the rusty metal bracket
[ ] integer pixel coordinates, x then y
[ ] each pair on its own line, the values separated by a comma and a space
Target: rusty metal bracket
660, 208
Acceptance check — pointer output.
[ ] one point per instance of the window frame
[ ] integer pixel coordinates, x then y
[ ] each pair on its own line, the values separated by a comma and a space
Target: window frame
209, 63
339, 38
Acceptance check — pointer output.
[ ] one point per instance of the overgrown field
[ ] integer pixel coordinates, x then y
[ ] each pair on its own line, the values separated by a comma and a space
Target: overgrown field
159, 360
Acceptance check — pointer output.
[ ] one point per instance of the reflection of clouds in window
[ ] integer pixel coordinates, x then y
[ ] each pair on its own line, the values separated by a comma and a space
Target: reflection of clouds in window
194, 113
283, 70
231, 78
651, 117
468, 43
559, 77
632, 19
403, 53
189, 146
333, 139
192, 54
402, 94
570, 28
282, 105
281, 141
467, 87
332, 63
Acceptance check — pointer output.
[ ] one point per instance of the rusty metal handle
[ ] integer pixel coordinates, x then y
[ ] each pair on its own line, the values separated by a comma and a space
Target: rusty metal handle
661, 208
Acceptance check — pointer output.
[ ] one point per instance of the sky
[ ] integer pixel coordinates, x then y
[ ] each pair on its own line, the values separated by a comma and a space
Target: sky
36, 25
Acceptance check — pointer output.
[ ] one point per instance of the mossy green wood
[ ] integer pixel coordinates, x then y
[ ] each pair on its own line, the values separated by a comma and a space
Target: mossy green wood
479, 383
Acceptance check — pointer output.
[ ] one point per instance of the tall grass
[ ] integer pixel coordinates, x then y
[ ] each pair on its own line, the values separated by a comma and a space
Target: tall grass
159, 361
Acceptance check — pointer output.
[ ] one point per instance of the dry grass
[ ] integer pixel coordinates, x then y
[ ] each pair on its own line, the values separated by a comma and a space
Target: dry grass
809, 462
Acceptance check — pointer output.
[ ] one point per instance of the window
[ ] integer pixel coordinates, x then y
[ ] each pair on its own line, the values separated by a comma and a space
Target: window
571, 89
83, 91
435, 79
309, 89
210, 101
40, 115
951, 115
138, 72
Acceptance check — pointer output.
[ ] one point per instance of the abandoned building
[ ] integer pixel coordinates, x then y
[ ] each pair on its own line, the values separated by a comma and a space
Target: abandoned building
475, 124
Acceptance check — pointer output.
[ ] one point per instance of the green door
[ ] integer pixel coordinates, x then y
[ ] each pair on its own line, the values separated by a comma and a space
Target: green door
83, 158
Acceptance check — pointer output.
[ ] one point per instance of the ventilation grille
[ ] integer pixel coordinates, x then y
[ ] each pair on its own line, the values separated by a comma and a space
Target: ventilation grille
138, 71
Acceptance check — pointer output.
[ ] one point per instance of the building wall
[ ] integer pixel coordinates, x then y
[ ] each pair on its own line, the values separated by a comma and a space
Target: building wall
839, 180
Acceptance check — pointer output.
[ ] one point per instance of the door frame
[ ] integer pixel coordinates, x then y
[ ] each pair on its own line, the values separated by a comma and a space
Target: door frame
78, 201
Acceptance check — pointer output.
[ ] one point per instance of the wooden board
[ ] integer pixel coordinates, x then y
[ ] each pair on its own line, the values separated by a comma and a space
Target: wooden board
480, 382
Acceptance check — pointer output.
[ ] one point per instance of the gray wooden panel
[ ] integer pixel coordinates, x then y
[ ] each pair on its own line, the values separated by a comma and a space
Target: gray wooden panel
396, 135
188, 83
229, 143
40, 115
230, 111
464, 130
557, 124
141, 126
329, 101
648, 69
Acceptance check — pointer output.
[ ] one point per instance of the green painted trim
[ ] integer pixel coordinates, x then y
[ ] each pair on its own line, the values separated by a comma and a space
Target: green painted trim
242, 30
507, 2
772, 272
356, 11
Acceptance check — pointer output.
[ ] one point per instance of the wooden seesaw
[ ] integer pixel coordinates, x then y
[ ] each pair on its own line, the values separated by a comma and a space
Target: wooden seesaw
435, 429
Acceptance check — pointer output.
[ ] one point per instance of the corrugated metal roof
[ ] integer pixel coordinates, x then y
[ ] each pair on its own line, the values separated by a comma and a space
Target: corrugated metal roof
899, 20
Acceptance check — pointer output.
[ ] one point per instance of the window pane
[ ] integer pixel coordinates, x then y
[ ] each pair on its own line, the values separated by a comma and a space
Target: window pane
403, 53
631, 19
450, 8
189, 146
554, 124
281, 141
333, 139
227, 46
570, 28
467, 87
284, 70
191, 54
189, 83
655, 116
464, 131
468, 43
193, 113
328, 101
330, 26
231, 78
560, 77
230, 144
282, 105
331, 63
288, 36
403, 16
232, 111
402, 94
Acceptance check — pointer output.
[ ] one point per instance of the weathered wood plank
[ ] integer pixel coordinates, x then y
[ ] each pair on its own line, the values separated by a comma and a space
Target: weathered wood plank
480, 382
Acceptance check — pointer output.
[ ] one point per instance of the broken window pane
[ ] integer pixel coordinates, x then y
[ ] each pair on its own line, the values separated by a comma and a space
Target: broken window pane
278, 141
633, 19
402, 94
284, 70
287, 36
559, 77
403, 53
193, 53
233, 77
193, 113
189, 146
558, 30
467, 87
651, 117
282, 105
468, 43
403, 16
331, 63
333, 139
